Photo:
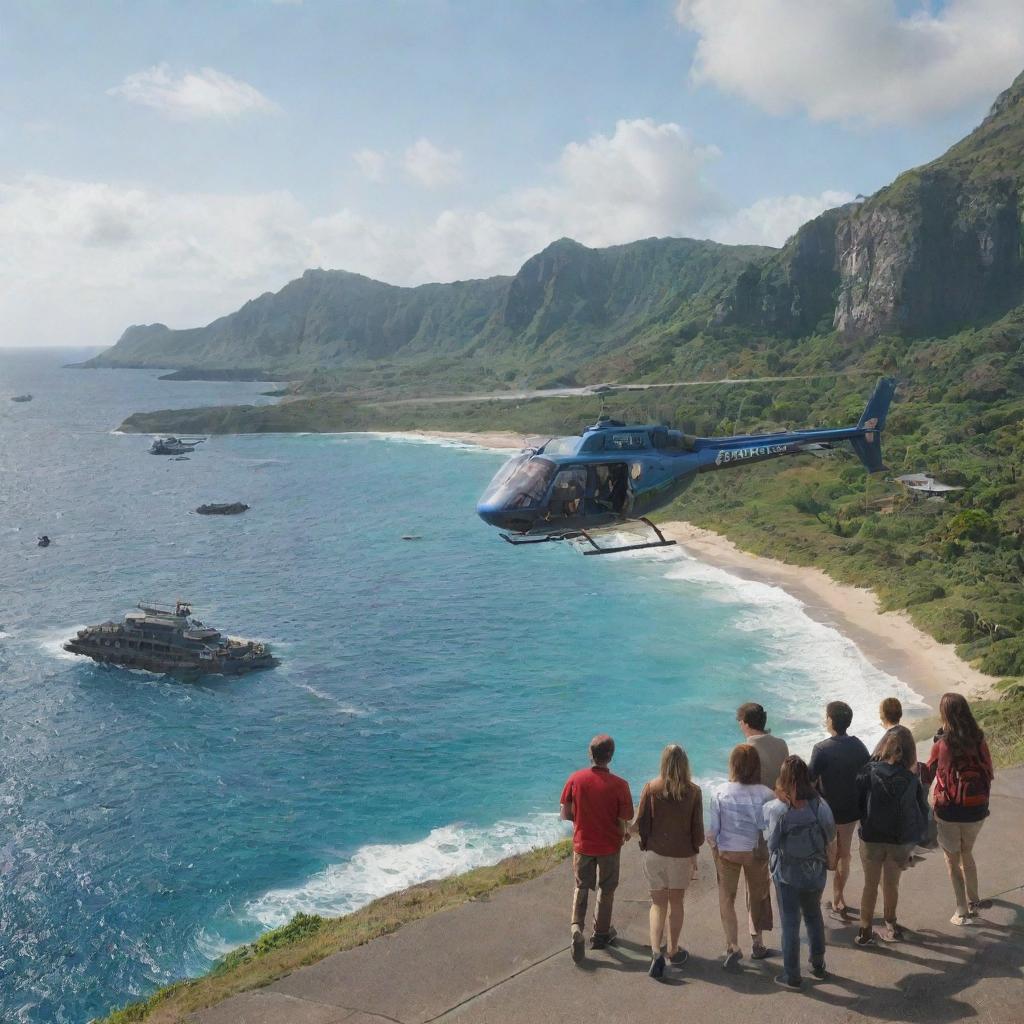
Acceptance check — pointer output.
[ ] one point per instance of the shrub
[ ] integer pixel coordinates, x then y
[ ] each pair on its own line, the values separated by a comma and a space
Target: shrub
1004, 658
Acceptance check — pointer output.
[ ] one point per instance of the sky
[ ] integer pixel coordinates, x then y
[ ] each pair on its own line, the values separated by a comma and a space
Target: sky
167, 161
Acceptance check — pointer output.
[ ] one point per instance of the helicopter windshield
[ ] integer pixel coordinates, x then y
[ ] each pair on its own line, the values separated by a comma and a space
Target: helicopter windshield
521, 483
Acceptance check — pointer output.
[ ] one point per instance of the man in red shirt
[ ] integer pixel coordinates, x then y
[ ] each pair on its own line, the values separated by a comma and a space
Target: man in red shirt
600, 807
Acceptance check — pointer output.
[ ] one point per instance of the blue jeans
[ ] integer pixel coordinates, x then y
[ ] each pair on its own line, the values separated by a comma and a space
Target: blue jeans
795, 903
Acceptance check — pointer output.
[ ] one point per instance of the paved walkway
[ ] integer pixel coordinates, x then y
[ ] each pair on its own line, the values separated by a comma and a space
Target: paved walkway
505, 960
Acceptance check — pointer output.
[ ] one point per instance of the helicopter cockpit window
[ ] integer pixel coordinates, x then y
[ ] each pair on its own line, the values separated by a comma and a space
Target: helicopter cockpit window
626, 442
521, 483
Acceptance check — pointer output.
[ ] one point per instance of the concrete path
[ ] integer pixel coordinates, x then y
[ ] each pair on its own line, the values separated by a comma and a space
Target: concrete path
505, 960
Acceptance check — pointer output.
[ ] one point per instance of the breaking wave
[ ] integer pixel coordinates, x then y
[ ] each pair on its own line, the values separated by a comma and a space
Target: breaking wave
377, 870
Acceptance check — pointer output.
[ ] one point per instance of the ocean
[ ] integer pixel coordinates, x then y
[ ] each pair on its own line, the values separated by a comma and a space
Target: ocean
433, 695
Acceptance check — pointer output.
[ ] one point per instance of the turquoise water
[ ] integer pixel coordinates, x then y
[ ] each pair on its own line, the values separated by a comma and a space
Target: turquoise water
432, 695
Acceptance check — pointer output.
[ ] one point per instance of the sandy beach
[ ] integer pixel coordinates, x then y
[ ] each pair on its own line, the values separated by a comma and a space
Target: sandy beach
486, 439
889, 640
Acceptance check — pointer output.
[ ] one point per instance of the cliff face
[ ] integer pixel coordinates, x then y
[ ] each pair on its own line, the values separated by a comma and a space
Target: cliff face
794, 290
938, 255
937, 249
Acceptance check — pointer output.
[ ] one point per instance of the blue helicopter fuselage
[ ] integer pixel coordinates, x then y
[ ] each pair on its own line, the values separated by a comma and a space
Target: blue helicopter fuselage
613, 472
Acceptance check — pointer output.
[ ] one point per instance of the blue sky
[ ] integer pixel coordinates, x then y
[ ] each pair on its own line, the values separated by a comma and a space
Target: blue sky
166, 161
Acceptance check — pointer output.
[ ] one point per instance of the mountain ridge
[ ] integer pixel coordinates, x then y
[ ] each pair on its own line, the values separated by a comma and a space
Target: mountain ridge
566, 296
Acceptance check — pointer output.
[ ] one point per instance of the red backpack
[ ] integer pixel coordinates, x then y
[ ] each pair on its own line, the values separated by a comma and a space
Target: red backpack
970, 782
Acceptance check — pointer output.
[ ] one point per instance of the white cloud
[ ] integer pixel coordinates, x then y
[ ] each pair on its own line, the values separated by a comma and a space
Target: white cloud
856, 60
432, 166
644, 179
207, 93
79, 261
372, 162
771, 221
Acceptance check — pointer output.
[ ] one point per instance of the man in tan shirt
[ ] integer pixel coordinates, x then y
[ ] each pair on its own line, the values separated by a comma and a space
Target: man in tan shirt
752, 719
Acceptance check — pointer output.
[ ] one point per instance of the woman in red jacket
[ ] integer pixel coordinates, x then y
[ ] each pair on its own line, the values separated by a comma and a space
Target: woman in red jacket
961, 766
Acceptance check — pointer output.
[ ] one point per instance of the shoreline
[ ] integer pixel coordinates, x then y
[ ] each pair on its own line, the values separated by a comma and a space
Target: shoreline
889, 640
481, 439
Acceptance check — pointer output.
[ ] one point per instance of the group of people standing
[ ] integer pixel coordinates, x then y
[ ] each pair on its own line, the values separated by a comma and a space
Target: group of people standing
785, 823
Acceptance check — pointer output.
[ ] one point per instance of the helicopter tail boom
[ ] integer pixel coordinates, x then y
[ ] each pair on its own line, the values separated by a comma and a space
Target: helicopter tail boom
868, 445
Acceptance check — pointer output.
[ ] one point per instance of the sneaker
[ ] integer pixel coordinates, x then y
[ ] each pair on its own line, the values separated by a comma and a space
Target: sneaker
818, 970
893, 932
732, 958
975, 905
760, 951
864, 937
793, 986
961, 919
840, 913
578, 946
679, 957
657, 968
600, 941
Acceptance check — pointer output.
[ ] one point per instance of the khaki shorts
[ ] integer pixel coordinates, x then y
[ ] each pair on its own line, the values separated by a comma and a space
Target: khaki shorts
667, 872
879, 853
957, 836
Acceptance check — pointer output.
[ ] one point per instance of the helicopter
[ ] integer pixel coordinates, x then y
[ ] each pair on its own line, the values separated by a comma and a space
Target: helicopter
615, 473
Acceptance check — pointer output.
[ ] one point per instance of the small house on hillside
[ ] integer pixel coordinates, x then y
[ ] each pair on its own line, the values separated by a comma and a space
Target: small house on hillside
921, 483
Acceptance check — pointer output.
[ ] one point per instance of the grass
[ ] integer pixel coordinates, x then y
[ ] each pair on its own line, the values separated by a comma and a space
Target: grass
308, 938
1002, 718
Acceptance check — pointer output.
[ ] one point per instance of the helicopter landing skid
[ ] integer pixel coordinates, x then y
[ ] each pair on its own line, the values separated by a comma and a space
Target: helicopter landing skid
596, 548
659, 543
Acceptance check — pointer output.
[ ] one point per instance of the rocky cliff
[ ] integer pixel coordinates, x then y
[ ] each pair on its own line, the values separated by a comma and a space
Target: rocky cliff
937, 249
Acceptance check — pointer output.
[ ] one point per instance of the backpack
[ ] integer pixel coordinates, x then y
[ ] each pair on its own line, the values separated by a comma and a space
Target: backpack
893, 814
801, 858
970, 784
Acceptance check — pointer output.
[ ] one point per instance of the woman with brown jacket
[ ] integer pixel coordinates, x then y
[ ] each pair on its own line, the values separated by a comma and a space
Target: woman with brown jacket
670, 823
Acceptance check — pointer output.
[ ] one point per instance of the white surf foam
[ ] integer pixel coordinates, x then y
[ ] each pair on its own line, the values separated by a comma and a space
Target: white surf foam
439, 442
53, 643
339, 706
377, 870
810, 662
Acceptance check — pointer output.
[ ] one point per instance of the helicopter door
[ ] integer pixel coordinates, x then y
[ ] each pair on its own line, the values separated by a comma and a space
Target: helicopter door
567, 493
611, 488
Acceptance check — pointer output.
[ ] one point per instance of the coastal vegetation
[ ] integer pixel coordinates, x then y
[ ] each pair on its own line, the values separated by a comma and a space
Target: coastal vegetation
308, 938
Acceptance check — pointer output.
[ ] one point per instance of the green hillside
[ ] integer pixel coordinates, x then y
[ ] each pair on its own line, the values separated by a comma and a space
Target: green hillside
566, 304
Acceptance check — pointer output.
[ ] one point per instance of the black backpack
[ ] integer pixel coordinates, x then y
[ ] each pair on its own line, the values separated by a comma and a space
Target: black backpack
893, 813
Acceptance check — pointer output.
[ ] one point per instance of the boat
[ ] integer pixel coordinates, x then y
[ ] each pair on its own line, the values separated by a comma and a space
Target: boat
171, 642
21, 398
175, 445
43, 542
232, 509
